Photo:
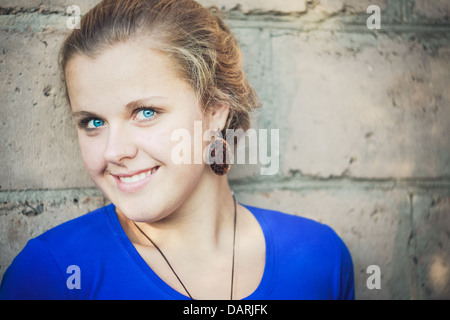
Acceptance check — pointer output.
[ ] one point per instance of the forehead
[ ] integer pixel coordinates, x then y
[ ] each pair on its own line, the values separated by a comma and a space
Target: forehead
120, 74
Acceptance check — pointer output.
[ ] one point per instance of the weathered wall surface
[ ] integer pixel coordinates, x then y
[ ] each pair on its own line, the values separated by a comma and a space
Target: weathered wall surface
363, 117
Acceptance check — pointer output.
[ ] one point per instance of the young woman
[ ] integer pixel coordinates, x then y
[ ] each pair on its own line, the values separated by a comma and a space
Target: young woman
136, 73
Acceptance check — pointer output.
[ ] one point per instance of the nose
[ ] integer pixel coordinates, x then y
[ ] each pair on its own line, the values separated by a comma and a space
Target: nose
120, 145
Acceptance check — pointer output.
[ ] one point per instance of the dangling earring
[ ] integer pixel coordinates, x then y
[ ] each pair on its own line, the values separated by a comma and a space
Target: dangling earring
218, 154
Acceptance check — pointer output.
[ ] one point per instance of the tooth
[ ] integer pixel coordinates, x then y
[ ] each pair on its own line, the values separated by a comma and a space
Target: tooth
125, 179
138, 177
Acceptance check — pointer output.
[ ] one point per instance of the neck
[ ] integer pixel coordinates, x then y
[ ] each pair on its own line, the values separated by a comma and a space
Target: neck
203, 221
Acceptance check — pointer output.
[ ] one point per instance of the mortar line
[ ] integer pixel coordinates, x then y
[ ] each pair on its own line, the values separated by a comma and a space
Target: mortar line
411, 249
253, 186
354, 24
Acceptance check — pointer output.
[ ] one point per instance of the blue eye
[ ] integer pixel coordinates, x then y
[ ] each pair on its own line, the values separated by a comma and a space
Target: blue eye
95, 123
145, 114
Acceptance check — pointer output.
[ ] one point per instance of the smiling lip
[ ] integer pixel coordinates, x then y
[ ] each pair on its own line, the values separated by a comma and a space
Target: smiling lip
133, 182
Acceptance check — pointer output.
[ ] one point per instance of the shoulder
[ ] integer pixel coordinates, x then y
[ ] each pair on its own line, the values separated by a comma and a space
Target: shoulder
76, 229
299, 235
291, 226
314, 248
43, 262
81, 237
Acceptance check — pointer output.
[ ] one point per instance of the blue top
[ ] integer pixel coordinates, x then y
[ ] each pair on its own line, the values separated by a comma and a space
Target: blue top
91, 257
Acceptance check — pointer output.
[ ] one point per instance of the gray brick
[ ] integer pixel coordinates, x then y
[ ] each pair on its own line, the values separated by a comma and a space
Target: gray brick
39, 147
363, 107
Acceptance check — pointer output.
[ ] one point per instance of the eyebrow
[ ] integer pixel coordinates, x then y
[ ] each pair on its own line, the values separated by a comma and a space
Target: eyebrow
85, 114
129, 106
141, 102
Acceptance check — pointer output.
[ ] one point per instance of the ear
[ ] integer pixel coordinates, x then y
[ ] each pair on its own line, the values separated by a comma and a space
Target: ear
217, 116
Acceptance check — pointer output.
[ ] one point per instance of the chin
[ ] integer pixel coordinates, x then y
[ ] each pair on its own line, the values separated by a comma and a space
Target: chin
137, 212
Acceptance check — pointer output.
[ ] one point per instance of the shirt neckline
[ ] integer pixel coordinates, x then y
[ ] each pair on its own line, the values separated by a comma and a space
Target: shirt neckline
261, 292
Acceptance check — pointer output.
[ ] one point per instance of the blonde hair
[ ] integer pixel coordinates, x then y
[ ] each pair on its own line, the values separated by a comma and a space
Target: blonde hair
205, 52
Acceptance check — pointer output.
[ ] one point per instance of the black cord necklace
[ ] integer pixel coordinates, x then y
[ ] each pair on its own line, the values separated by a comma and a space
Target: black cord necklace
181, 282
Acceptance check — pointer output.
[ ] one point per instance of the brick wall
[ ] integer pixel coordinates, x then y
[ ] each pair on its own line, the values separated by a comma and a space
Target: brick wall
363, 117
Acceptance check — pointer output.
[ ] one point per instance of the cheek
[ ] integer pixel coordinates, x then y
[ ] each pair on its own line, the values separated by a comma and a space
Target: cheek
92, 155
162, 146
151, 144
158, 143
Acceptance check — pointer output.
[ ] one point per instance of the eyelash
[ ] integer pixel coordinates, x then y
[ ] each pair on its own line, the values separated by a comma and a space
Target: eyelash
137, 110
83, 123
